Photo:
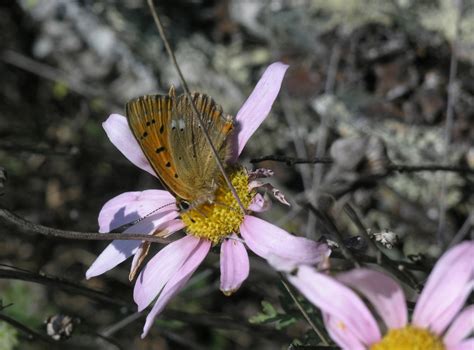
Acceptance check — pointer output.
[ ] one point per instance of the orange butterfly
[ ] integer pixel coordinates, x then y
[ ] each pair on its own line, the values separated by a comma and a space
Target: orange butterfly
171, 138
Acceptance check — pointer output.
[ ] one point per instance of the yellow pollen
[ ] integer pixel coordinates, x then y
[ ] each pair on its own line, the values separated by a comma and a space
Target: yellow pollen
341, 325
409, 338
217, 220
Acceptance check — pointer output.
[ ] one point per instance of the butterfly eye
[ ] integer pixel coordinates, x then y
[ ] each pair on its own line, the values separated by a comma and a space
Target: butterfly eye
183, 205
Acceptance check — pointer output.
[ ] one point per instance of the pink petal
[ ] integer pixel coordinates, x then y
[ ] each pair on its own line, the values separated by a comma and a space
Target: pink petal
447, 289
161, 268
115, 253
278, 247
118, 251
234, 265
173, 226
119, 133
259, 204
461, 328
258, 105
177, 281
446, 318
382, 292
346, 310
342, 336
130, 206
465, 345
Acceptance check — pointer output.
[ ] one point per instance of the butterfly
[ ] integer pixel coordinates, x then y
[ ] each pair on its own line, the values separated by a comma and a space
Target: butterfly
171, 137
172, 140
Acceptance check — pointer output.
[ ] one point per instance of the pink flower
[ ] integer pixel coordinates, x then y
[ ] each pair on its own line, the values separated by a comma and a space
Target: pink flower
170, 269
438, 321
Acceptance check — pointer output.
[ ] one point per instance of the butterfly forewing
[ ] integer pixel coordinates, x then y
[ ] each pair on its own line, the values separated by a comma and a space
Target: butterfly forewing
149, 118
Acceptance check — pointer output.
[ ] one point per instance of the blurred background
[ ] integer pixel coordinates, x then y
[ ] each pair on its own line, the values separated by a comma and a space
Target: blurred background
367, 86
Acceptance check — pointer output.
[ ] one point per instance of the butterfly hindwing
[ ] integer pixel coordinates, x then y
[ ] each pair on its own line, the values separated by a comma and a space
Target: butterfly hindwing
190, 150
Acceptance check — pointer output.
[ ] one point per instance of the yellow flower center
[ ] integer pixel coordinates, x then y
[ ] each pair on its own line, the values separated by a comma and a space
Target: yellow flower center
409, 338
217, 220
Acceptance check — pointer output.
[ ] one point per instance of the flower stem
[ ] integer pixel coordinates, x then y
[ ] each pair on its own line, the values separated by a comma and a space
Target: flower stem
304, 313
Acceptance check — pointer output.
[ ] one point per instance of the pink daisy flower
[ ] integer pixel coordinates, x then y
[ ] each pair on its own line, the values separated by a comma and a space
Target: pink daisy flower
170, 269
439, 321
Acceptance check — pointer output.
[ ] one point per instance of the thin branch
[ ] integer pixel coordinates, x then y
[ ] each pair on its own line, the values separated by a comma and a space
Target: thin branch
30, 333
463, 231
63, 284
303, 312
352, 214
39, 149
331, 228
182, 339
381, 258
401, 265
3, 307
323, 131
50, 73
298, 140
195, 110
110, 330
105, 338
329, 86
223, 322
191, 318
290, 161
300, 148
449, 120
403, 168
333, 66
14, 221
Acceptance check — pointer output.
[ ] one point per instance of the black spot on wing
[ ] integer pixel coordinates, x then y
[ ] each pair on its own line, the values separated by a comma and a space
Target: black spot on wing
168, 164
160, 149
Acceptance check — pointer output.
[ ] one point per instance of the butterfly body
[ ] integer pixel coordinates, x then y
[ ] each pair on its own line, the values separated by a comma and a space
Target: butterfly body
172, 139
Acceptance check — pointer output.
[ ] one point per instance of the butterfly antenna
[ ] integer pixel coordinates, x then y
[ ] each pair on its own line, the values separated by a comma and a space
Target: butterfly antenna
122, 228
154, 211
188, 95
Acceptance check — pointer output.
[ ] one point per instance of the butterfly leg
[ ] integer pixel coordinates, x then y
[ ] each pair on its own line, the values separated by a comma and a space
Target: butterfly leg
226, 206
